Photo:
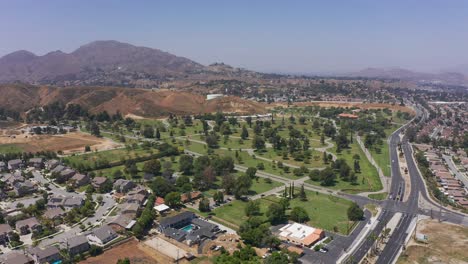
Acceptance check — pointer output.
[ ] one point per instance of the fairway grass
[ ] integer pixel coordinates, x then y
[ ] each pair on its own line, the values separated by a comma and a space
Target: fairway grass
325, 211
368, 179
10, 148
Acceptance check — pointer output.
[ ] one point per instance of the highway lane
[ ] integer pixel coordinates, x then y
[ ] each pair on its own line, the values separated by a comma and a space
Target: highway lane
391, 206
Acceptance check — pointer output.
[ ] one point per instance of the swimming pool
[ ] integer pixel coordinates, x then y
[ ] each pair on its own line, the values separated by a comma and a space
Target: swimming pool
187, 228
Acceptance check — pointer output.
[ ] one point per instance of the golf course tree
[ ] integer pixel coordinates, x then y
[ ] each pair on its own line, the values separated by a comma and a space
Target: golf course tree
355, 213
152, 166
276, 214
258, 143
327, 177
302, 194
218, 197
204, 205
299, 214
186, 164
252, 208
212, 140
255, 232
251, 171
244, 133
242, 186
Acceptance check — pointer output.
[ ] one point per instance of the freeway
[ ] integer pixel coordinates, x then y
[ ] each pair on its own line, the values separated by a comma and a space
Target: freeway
409, 209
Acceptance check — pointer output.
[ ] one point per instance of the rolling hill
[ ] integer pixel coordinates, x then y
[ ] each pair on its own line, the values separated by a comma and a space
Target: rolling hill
100, 62
140, 102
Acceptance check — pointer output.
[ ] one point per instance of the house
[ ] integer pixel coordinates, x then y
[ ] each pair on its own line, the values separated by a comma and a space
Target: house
51, 164
73, 202
161, 208
199, 234
102, 235
76, 245
64, 175
130, 208
122, 222
177, 221
3, 166
5, 232
16, 257
54, 213
58, 168
185, 198
79, 180
123, 186
138, 190
29, 225
98, 182
136, 198
15, 164
12, 179
47, 255
55, 201
176, 234
24, 188
37, 163
159, 201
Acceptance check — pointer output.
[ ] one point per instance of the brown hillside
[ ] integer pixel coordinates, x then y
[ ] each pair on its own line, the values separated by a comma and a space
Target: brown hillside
140, 102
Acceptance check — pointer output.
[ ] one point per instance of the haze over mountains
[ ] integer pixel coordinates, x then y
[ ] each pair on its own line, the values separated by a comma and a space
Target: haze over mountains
114, 63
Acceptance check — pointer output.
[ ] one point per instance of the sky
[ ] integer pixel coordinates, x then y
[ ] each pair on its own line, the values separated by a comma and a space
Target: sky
270, 36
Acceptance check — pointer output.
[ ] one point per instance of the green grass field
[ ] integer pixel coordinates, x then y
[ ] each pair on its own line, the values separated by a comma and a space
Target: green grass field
368, 178
325, 211
109, 156
383, 158
10, 148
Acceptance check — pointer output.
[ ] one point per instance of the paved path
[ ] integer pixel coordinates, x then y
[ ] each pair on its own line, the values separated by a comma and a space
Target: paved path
383, 179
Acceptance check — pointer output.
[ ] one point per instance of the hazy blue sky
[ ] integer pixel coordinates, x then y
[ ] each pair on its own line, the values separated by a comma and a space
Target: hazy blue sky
286, 36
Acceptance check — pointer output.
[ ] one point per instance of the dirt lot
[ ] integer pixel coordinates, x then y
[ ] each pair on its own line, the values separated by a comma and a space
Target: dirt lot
135, 251
447, 243
68, 143
228, 241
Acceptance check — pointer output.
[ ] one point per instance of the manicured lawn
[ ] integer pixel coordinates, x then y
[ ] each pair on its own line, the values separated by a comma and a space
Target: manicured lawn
368, 179
10, 148
234, 212
325, 211
196, 147
261, 186
109, 172
249, 161
110, 156
378, 196
383, 158
314, 162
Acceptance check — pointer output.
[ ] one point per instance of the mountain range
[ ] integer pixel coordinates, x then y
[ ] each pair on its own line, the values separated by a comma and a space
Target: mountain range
112, 63
103, 63
446, 77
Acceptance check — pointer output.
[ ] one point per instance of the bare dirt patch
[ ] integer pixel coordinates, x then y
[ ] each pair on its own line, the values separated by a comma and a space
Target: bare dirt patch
447, 243
133, 250
68, 143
